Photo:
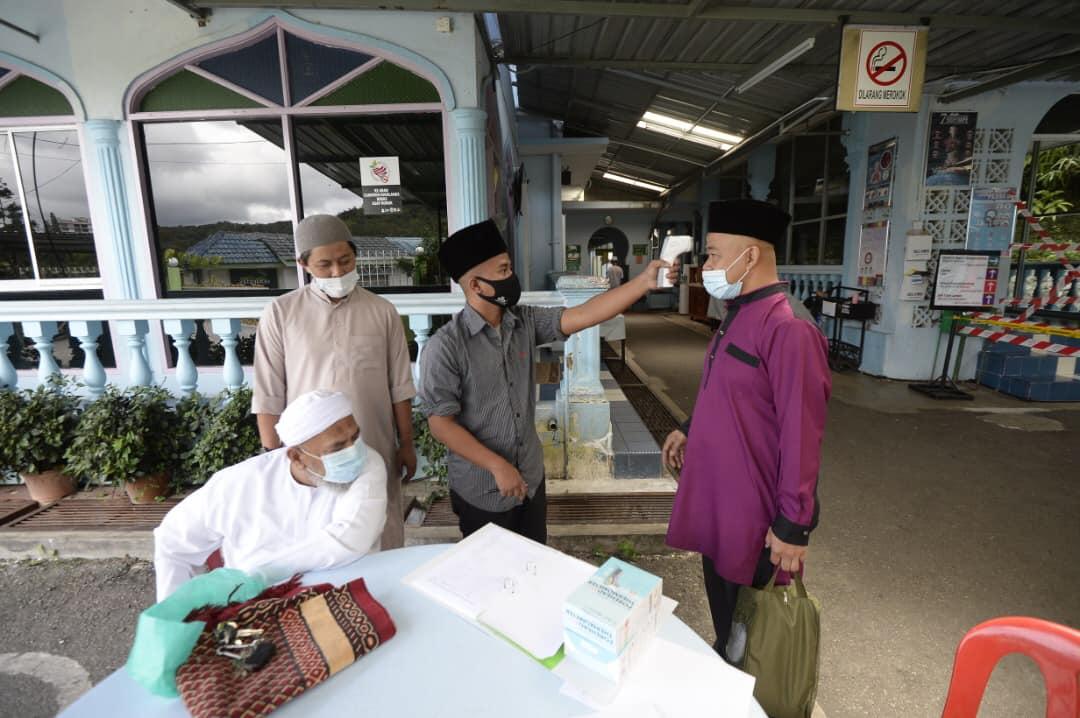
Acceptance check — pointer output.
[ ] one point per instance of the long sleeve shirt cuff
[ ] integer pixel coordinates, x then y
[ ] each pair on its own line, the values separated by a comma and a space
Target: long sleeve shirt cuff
790, 532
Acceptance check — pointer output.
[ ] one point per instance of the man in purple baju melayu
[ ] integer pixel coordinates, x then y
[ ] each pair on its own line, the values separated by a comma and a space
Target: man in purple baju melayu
747, 495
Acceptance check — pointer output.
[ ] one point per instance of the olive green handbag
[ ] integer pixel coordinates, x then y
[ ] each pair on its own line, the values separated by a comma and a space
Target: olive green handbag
776, 637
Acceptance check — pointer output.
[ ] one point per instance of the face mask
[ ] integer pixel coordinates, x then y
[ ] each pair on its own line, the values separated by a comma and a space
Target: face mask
716, 281
336, 287
344, 466
507, 291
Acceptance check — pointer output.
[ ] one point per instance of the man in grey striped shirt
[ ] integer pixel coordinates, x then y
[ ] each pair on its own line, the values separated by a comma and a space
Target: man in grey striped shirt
477, 386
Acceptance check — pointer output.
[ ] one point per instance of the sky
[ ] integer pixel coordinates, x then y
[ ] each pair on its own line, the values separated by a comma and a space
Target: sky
205, 172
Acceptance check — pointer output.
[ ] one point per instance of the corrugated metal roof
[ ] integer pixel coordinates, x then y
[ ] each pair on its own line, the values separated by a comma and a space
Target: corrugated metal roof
605, 81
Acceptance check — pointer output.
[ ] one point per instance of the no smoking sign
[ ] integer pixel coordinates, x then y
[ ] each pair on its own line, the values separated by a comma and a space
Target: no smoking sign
886, 63
881, 68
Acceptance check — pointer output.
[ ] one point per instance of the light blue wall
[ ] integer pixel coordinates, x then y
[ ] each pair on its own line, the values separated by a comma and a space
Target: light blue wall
894, 348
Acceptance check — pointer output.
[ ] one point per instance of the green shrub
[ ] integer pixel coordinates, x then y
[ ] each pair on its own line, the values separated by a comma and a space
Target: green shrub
37, 426
230, 435
125, 434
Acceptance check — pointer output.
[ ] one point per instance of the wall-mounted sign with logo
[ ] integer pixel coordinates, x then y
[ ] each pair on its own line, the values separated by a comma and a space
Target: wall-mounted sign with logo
380, 178
880, 170
573, 258
881, 69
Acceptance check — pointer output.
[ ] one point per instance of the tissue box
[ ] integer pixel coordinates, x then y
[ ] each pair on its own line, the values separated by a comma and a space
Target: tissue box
609, 665
617, 603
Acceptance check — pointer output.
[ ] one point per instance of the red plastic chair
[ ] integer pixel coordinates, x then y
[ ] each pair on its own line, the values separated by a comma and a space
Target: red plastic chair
1054, 648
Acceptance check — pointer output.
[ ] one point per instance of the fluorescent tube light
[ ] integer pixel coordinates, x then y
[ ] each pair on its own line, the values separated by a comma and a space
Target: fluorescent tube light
785, 59
634, 182
678, 134
684, 130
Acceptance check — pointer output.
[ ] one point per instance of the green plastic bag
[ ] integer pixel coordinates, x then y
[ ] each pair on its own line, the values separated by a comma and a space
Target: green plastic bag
776, 637
163, 640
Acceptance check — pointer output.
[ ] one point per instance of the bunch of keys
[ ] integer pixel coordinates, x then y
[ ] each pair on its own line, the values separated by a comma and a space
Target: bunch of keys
248, 655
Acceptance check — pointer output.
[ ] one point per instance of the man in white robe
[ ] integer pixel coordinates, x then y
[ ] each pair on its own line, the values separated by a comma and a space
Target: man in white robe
316, 503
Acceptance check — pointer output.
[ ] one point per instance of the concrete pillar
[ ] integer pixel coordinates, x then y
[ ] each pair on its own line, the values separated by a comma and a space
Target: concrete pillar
587, 413
469, 126
110, 211
760, 170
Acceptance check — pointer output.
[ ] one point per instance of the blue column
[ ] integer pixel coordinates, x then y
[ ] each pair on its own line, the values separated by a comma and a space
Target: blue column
588, 433
469, 176
103, 143
760, 170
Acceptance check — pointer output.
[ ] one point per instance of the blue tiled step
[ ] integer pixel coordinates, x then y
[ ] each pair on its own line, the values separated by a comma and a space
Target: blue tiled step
1034, 389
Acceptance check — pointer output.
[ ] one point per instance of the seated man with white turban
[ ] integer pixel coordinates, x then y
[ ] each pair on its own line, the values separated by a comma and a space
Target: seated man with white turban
316, 503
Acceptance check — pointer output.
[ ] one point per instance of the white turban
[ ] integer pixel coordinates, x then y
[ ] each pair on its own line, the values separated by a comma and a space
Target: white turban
311, 414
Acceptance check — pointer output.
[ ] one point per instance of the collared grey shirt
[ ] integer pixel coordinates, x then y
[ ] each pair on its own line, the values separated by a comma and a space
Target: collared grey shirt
485, 379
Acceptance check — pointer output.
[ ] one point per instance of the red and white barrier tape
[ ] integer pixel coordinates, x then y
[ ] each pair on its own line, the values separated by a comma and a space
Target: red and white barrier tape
1060, 288
1001, 337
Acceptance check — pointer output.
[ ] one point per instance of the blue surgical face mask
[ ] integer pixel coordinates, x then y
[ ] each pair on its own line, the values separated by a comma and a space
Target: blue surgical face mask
716, 281
344, 466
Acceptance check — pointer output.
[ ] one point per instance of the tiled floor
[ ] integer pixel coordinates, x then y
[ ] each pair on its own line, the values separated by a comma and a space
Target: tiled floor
637, 455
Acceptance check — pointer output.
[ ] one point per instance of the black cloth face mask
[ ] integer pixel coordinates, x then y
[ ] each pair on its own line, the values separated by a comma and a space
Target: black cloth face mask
507, 291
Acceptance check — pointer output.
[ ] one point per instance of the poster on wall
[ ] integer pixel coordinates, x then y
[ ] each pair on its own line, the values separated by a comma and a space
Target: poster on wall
573, 258
990, 218
951, 148
873, 244
380, 181
967, 280
880, 170
640, 251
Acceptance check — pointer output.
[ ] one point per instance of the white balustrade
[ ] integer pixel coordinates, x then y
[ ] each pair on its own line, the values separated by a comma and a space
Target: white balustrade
804, 282
42, 333
8, 376
229, 331
88, 332
187, 375
135, 323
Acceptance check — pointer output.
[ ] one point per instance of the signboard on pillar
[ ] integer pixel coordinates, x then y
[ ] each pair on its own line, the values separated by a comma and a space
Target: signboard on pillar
573, 258
380, 180
880, 170
881, 69
966, 280
873, 247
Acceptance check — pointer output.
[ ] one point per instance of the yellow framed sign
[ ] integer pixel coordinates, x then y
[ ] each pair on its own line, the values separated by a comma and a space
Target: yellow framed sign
881, 69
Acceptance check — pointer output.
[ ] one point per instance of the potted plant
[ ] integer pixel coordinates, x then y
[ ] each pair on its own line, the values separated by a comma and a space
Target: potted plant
35, 428
229, 436
128, 436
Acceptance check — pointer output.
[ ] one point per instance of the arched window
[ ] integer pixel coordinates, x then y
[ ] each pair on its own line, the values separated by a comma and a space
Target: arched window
46, 238
241, 140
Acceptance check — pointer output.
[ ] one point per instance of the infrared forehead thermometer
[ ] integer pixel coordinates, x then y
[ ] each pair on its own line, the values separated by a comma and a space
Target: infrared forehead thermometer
674, 245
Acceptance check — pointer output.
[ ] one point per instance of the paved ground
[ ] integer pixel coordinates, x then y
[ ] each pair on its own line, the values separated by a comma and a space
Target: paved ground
933, 519
82, 610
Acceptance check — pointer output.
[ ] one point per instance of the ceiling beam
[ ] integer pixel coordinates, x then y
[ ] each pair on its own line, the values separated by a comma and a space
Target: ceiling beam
1029, 72
656, 151
689, 66
200, 15
722, 13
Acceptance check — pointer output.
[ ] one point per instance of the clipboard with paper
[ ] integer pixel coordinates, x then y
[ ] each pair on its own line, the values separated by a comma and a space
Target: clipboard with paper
508, 585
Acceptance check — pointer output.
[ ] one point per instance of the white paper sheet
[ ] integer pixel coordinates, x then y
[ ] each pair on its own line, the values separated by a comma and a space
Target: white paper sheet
671, 681
531, 614
468, 577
